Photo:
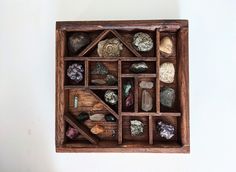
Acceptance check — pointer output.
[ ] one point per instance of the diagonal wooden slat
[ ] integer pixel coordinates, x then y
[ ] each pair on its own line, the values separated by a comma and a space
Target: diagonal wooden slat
81, 128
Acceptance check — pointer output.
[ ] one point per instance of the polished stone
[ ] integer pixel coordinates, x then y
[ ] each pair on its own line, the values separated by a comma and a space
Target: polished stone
98, 81
138, 67
166, 46
129, 101
83, 116
96, 117
127, 88
97, 129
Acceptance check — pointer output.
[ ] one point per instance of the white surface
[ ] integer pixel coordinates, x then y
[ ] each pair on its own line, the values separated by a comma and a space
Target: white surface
27, 87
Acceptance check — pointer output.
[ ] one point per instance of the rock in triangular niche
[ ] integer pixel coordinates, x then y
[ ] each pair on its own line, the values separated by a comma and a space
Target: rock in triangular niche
143, 42
79, 41
109, 98
108, 44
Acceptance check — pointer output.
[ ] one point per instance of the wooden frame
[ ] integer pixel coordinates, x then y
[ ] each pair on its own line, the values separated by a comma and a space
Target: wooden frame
122, 142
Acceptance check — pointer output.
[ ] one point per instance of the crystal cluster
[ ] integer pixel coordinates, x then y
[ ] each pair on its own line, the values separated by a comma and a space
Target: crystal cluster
165, 130
75, 72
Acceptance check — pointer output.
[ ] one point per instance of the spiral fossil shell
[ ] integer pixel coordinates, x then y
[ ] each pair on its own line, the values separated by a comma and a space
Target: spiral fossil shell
110, 48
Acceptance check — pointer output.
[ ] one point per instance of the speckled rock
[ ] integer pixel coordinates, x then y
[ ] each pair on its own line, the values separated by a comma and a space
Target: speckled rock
77, 41
136, 128
167, 97
111, 97
142, 42
167, 72
111, 79
100, 69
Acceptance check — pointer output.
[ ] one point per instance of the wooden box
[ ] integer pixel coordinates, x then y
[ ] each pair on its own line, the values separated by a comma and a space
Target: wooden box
74, 98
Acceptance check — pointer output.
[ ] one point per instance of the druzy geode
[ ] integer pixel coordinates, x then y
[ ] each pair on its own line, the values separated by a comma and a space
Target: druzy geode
110, 48
142, 42
75, 72
77, 41
165, 130
167, 97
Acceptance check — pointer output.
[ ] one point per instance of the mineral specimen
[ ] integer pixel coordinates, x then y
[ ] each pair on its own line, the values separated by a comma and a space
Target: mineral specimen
110, 48
138, 67
111, 97
111, 80
97, 107
72, 133
76, 101
110, 118
99, 69
75, 72
83, 116
98, 81
96, 117
136, 127
77, 41
146, 84
97, 129
165, 130
129, 101
167, 97
126, 88
166, 46
142, 42
147, 103
167, 72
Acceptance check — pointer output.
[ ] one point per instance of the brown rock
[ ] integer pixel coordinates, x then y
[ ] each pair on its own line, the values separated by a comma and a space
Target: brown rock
97, 129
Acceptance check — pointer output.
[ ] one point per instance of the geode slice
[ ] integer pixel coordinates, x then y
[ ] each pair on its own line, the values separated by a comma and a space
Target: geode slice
111, 80
110, 48
138, 67
136, 128
165, 130
167, 97
167, 72
142, 42
75, 72
77, 41
99, 69
72, 133
111, 97
147, 103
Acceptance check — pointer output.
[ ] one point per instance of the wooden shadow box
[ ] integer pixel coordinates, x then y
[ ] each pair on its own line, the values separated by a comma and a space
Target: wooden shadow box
74, 98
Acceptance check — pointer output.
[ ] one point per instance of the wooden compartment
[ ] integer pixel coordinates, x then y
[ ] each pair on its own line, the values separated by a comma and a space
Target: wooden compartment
74, 98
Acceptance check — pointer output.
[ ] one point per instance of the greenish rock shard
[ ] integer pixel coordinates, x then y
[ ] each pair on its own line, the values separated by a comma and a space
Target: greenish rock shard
83, 116
111, 79
167, 97
110, 118
100, 69
138, 67
126, 88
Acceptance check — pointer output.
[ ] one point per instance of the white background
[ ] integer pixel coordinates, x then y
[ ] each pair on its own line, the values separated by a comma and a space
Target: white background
27, 85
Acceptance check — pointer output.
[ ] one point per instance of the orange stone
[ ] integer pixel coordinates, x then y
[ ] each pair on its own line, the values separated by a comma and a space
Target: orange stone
97, 129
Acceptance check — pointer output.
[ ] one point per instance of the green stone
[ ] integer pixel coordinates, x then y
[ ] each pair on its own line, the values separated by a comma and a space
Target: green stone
167, 97
138, 67
83, 116
110, 118
111, 80
126, 88
100, 69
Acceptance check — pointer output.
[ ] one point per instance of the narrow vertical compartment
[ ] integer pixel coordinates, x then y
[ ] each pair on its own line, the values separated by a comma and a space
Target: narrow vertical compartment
147, 94
128, 94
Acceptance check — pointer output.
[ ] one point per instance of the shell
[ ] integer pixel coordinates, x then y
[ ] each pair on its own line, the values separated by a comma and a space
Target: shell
110, 48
